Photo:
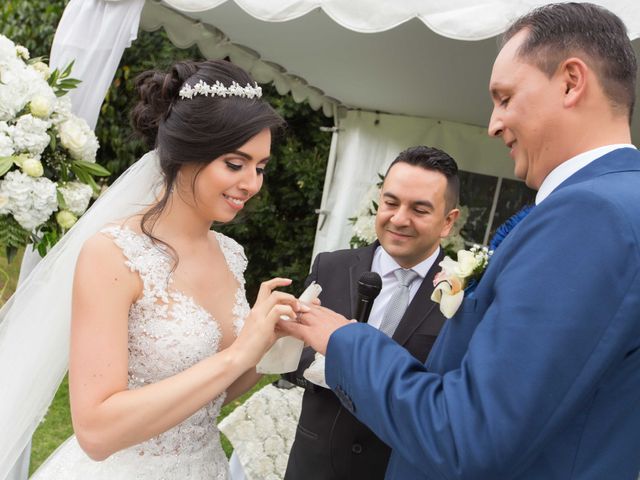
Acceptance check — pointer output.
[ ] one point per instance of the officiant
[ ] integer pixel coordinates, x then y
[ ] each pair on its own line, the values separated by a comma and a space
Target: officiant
417, 208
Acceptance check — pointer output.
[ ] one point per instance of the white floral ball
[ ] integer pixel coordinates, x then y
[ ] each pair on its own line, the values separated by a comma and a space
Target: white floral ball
7, 49
31, 201
29, 134
6, 144
365, 228
76, 196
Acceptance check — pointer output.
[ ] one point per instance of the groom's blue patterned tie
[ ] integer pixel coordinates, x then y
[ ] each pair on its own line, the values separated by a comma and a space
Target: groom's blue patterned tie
398, 302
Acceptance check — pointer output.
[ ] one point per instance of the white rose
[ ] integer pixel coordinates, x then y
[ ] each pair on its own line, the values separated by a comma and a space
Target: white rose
466, 263
66, 219
76, 196
43, 69
32, 167
78, 138
40, 106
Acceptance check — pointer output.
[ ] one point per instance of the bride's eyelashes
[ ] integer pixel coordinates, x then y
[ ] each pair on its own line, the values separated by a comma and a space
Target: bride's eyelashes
233, 166
237, 167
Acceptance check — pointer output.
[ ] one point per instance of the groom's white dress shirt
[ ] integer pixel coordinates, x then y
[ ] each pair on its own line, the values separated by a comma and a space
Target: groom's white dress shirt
384, 265
571, 166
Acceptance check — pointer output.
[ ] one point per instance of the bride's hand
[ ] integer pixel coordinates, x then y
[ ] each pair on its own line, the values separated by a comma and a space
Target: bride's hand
257, 335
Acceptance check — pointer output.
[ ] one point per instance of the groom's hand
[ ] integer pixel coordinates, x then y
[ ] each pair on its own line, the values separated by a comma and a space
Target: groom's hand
315, 326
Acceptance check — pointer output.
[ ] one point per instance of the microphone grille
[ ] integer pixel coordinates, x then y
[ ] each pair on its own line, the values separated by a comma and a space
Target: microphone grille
369, 284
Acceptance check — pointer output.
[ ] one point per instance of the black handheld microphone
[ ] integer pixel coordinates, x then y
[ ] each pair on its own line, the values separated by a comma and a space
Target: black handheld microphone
369, 287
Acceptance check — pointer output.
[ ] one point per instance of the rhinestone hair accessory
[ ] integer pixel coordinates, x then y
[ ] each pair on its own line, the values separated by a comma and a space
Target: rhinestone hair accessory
218, 89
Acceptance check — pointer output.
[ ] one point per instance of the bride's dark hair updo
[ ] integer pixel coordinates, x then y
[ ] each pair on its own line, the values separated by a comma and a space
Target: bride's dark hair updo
196, 130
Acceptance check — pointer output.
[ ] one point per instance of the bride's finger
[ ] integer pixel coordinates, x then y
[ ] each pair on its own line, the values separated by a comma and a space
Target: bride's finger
278, 312
275, 298
268, 286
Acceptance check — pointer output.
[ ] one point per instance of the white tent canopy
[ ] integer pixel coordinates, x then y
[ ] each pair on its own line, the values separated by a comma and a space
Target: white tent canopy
392, 73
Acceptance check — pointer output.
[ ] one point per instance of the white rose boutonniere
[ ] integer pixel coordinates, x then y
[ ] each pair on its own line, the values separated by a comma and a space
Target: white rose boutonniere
455, 276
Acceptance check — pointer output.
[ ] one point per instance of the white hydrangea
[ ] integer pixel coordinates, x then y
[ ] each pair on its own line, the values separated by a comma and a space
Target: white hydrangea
365, 228
31, 201
15, 90
19, 83
76, 196
273, 445
78, 138
6, 144
61, 110
29, 134
7, 49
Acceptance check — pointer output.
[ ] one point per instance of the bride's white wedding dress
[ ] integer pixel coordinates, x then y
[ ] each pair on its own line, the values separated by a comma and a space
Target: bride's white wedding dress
168, 333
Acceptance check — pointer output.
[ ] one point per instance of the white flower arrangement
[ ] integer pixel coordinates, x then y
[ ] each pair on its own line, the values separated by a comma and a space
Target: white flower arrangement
262, 430
47, 154
450, 283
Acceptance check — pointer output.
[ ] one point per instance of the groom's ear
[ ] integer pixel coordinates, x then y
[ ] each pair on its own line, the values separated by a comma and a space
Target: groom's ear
574, 75
449, 220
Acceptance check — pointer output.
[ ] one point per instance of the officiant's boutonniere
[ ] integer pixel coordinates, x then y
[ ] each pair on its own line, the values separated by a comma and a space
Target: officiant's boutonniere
455, 276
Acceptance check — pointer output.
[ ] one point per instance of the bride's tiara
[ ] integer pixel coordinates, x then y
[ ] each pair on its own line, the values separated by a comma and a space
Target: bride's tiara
218, 89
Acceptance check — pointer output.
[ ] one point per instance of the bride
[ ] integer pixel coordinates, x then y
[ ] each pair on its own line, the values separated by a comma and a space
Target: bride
161, 332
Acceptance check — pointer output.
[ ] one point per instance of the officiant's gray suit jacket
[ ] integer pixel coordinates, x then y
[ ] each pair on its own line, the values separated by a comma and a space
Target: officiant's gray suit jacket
330, 443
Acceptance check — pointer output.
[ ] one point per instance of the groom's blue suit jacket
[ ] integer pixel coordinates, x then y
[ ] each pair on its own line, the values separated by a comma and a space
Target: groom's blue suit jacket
538, 374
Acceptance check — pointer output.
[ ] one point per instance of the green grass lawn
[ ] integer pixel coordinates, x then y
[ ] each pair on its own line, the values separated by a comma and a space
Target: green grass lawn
56, 427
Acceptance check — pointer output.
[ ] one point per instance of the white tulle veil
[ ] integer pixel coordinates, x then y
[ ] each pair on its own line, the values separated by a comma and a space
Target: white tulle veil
34, 323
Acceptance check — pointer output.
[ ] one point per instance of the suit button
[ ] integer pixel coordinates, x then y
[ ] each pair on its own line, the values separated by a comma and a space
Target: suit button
356, 448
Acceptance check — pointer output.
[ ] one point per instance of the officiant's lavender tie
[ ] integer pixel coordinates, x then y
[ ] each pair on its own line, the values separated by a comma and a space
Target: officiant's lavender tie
398, 302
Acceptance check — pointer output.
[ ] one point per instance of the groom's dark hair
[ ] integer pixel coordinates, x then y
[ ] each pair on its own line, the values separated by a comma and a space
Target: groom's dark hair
590, 32
431, 158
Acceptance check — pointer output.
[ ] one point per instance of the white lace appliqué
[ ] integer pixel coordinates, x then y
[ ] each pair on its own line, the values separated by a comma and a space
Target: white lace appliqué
168, 333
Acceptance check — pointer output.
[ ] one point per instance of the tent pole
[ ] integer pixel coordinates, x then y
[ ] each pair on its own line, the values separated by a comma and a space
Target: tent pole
492, 213
322, 212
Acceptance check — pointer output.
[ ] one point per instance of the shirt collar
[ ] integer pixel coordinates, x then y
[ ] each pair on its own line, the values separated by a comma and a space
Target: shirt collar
388, 265
571, 166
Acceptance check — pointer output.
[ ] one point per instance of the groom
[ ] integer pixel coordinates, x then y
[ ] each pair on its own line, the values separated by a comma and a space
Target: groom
538, 374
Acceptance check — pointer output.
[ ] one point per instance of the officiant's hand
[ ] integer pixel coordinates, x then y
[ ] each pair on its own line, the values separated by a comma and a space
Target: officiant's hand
315, 326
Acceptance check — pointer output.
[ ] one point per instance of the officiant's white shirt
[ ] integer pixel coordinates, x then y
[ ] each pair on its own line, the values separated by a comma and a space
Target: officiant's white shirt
384, 265
571, 166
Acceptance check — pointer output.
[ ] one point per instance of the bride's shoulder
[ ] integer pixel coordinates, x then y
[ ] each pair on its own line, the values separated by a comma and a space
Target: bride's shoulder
231, 248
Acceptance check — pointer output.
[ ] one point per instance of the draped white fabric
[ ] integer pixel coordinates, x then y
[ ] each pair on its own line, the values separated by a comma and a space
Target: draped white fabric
94, 34
459, 19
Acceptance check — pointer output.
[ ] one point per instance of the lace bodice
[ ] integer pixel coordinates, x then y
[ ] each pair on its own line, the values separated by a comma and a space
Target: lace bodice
168, 333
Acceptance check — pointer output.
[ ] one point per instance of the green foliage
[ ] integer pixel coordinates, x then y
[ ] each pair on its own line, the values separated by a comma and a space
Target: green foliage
12, 236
